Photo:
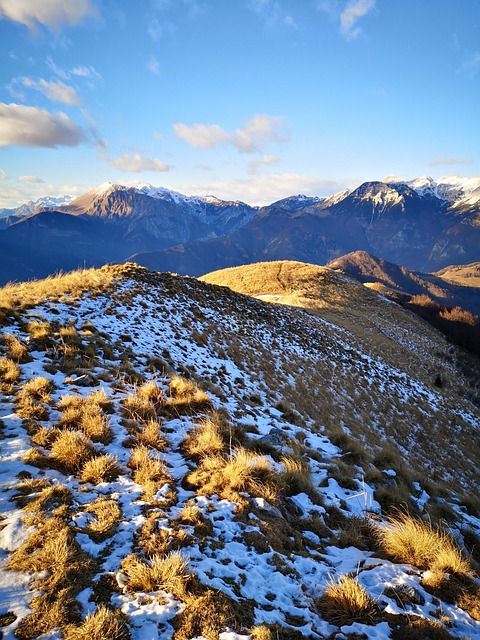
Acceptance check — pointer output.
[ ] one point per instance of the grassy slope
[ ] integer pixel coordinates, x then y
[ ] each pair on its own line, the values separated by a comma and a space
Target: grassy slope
268, 366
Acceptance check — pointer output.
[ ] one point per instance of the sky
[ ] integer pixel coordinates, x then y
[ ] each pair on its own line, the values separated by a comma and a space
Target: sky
250, 100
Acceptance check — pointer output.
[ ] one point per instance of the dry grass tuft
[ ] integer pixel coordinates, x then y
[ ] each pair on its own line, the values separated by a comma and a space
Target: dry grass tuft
406, 539
159, 573
243, 471
296, 476
150, 435
149, 471
145, 404
103, 468
32, 398
16, 349
207, 438
186, 396
261, 632
40, 331
345, 601
9, 375
104, 623
208, 613
49, 498
52, 548
86, 414
107, 514
71, 450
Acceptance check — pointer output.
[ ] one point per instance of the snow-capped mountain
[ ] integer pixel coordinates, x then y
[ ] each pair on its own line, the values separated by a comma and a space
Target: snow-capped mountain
459, 192
422, 224
33, 206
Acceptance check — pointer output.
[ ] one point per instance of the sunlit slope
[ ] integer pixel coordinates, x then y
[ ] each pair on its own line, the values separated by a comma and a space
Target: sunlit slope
384, 328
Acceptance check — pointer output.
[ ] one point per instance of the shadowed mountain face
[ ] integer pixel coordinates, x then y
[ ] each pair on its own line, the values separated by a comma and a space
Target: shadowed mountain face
388, 277
417, 224
392, 221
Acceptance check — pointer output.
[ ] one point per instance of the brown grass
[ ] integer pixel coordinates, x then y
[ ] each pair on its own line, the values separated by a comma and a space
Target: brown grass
73, 284
243, 471
107, 514
208, 437
86, 414
145, 404
149, 434
186, 396
52, 548
345, 601
407, 539
9, 374
32, 398
103, 468
166, 573
71, 450
104, 624
296, 476
16, 349
208, 613
149, 471
40, 331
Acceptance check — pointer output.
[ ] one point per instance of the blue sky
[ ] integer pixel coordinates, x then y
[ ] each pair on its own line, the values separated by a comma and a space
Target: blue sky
244, 99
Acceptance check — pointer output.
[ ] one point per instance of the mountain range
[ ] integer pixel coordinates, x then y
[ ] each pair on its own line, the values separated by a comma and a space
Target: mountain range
421, 224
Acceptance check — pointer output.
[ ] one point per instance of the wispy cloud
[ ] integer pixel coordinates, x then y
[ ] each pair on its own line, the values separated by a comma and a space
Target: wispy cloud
49, 13
3, 175
352, 13
272, 13
264, 161
33, 127
262, 190
447, 160
259, 130
32, 179
471, 65
153, 65
55, 91
137, 163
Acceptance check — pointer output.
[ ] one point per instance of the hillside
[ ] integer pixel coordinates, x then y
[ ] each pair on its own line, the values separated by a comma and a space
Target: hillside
180, 460
447, 287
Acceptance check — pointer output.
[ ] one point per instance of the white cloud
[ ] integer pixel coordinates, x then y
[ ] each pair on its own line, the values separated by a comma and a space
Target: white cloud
153, 65
272, 14
259, 130
33, 179
352, 13
202, 136
14, 194
50, 13
3, 175
262, 190
264, 161
33, 127
55, 91
446, 160
137, 163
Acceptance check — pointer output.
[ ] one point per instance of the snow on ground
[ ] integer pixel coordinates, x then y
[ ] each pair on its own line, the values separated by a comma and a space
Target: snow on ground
282, 586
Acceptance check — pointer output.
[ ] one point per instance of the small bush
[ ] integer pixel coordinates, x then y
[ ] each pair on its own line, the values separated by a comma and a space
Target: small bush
345, 601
